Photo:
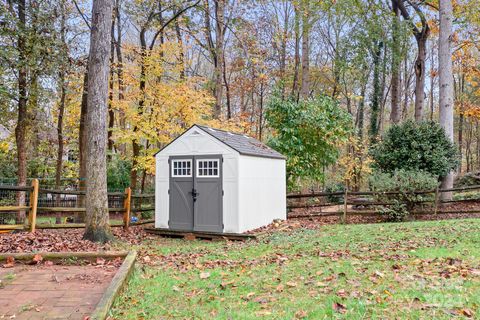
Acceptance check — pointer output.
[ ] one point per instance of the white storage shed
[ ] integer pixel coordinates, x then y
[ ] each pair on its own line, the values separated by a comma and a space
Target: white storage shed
210, 180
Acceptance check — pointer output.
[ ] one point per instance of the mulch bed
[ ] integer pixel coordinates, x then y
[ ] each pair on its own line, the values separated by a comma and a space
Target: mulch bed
63, 240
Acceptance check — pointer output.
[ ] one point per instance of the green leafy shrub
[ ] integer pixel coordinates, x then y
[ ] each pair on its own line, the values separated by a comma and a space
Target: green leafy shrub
403, 183
307, 132
416, 146
396, 212
118, 174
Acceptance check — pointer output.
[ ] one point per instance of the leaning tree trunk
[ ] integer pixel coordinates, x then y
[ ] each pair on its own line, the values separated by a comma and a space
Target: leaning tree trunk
96, 226
445, 77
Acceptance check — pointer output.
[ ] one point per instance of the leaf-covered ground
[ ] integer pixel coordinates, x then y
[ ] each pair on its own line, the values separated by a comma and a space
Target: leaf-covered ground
415, 270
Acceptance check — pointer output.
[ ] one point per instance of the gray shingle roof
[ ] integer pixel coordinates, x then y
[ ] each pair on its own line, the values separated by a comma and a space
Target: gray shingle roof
243, 144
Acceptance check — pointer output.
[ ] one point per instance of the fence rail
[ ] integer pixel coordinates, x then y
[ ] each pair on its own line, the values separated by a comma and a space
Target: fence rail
353, 198
13, 200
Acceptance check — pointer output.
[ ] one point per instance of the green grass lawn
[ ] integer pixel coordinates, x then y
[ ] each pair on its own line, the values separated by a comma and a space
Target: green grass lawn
416, 270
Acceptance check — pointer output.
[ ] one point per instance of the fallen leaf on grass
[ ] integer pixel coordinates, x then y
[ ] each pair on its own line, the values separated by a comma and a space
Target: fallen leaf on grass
339, 307
291, 284
263, 313
300, 314
467, 313
204, 275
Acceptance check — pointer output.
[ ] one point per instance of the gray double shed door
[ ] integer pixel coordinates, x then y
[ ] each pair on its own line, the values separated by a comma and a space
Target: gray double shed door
196, 193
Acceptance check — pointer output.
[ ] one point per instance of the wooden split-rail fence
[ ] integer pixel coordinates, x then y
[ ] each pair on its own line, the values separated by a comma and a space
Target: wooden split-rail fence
345, 203
38, 202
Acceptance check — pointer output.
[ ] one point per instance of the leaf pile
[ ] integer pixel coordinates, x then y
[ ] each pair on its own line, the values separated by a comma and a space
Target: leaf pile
65, 240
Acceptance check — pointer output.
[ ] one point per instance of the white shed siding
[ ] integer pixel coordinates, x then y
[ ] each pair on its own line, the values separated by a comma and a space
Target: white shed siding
262, 191
198, 144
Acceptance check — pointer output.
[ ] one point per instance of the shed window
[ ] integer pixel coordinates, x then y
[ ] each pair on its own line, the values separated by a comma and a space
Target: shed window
208, 168
181, 168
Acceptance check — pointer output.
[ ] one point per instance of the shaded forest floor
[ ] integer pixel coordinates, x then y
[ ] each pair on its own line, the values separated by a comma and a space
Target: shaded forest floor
375, 271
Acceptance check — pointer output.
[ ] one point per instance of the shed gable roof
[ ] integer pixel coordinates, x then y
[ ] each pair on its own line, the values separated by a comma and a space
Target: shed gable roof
243, 144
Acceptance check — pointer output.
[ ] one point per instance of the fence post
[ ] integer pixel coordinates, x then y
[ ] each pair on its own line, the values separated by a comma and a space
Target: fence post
32, 214
345, 204
436, 201
127, 205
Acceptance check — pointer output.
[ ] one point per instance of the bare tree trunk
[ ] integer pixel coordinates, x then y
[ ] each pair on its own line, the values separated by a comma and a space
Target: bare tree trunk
297, 52
283, 50
121, 86
446, 80
181, 58
396, 64
97, 226
375, 104
219, 39
82, 148
227, 91
111, 112
461, 121
420, 77
61, 112
22, 122
305, 88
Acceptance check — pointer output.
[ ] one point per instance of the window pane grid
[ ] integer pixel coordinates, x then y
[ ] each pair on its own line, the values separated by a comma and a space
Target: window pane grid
208, 168
182, 168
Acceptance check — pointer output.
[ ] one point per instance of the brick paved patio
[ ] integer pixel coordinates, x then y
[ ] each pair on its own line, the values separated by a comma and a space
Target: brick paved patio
52, 292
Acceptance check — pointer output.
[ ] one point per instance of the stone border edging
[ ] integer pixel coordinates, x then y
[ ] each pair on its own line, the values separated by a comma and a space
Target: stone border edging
116, 285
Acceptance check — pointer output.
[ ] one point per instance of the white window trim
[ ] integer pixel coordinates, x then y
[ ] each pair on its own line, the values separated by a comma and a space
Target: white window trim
212, 176
181, 175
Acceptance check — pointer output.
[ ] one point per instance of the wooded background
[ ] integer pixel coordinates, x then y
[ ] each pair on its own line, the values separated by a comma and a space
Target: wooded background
220, 63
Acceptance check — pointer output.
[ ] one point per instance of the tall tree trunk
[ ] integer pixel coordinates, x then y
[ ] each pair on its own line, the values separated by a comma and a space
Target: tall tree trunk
432, 84
121, 86
396, 65
219, 39
420, 77
82, 148
181, 57
297, 52
22, 121
446, 80
283, 50
305, 88
227, 91
61, 112
361, 110
97, 227
111, 112
461, 120
375, 104
61, 109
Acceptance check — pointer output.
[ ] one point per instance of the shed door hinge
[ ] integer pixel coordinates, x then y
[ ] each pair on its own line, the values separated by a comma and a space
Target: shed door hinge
223, 192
